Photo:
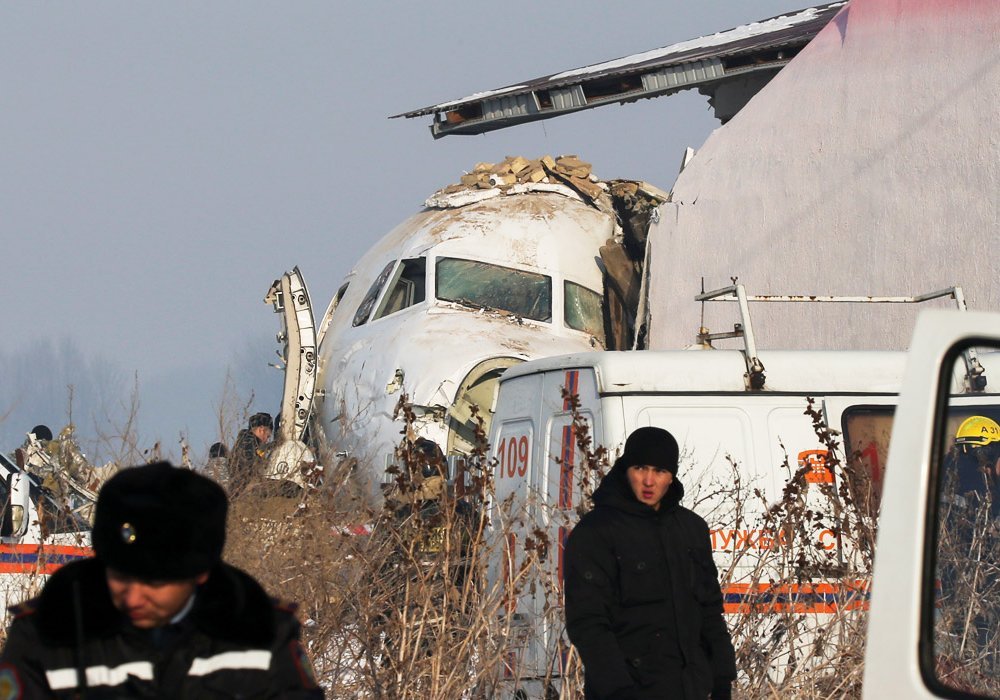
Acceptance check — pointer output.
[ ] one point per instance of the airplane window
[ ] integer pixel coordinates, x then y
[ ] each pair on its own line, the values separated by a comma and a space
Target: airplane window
407, 289
340, 295
961, 612
583, 310
364, 311
484, 286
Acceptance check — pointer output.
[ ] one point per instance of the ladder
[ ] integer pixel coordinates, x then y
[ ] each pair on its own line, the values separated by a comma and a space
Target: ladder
975, 377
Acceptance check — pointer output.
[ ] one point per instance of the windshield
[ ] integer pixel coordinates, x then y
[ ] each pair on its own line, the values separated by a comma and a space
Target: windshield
583, 310
481, 285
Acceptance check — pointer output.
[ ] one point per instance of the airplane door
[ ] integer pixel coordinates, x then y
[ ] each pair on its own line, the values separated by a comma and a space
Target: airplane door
290, 298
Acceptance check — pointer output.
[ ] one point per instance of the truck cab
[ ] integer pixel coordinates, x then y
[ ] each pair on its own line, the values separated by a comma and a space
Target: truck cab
934, 627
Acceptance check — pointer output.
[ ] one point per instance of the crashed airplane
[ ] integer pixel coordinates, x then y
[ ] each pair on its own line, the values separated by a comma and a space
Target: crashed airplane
520, 260
852, 199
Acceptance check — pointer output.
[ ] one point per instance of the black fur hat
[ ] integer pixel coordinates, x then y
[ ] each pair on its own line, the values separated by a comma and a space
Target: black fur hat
42, 432
160, 522
261, 420
653, 446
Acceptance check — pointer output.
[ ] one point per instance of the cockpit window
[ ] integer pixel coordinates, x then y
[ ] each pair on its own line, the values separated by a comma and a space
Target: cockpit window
364, 311
407, 289
583, 310
340, 295
481, 285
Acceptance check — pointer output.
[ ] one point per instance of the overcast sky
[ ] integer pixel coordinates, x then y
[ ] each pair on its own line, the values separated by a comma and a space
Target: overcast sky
163, 162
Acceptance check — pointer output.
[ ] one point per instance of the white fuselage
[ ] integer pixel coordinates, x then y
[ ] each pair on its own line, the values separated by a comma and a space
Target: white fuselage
447, 311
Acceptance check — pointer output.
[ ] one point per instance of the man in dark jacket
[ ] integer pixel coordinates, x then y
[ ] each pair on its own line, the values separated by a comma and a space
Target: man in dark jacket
156, 613
246, 461
643, 603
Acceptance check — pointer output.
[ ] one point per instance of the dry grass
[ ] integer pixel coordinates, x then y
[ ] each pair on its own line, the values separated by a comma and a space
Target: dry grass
410, 609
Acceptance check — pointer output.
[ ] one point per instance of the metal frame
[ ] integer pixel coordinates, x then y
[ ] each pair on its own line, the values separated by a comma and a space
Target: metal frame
975, 377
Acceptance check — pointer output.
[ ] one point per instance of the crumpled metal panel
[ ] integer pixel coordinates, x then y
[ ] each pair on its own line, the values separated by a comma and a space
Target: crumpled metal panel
759, 46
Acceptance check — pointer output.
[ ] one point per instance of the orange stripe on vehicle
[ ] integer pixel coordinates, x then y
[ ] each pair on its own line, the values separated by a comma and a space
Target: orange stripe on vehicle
35, 558
796, 597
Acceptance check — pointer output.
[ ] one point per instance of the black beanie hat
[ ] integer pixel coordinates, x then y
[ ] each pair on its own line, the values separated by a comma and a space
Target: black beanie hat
653, 446
160, 522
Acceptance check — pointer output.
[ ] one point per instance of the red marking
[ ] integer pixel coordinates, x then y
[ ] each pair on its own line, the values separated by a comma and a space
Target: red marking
572, 387
510, 596
566, 467
563, 535
870, 453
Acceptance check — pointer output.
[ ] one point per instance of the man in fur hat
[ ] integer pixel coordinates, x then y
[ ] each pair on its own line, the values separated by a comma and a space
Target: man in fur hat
246, 461
643, 603
155, 613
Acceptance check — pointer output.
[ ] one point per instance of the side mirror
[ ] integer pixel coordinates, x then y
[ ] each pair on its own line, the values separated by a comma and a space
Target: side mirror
14, 521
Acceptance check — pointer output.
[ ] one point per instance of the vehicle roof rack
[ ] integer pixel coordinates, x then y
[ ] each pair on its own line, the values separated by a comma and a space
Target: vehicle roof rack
754, 378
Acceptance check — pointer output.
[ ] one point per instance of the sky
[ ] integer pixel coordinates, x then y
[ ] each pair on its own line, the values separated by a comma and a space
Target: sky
161, 163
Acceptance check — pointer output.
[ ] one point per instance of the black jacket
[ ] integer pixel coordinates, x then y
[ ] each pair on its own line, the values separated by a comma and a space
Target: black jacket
236, 642
246, 461
643, 603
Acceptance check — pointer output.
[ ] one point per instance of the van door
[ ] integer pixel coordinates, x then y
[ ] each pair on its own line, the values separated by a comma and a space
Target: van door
565, 481
515, 452
934, 628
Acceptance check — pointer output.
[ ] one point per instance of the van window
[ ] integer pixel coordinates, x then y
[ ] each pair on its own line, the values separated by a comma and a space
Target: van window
583, 310
406, 290
961, 606
365, 309
485, 286
866, 446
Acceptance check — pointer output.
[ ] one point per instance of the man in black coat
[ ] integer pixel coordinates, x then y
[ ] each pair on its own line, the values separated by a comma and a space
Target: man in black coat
247, 458
643, 603
156, 613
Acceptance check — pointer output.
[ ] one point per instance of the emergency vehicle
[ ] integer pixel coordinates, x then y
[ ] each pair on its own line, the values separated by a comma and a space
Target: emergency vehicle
748, 425
931, 569
39, 532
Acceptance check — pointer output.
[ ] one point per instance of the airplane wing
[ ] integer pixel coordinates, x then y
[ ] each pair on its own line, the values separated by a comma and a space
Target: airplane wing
729, 66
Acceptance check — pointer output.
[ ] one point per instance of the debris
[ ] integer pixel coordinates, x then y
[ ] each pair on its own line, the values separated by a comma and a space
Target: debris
568, 170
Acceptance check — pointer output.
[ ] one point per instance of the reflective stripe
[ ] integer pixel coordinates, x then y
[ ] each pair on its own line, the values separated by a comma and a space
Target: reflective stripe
254, 658
65, 678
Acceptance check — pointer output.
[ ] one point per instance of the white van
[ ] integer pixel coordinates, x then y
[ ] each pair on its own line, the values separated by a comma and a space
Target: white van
38, 533
746, 431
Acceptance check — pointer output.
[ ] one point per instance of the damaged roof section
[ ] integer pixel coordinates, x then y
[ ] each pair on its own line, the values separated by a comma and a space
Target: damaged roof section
729, 66
630, 204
